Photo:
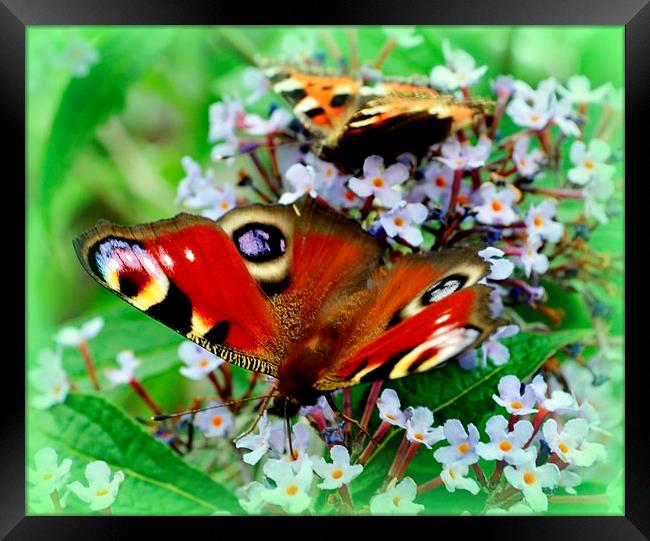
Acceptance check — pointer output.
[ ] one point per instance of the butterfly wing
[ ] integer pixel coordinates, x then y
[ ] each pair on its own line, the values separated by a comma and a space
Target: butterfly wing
420, 313
244, 287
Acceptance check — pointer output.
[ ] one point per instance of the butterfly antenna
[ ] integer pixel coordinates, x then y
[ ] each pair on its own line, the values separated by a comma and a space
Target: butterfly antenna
260, 413
165, 416
249, 149
332, 403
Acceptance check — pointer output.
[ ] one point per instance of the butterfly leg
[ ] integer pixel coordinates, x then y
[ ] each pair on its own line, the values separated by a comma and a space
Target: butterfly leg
260, 412
332, 403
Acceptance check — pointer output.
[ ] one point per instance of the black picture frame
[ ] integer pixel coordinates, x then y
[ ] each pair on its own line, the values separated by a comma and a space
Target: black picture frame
17, 15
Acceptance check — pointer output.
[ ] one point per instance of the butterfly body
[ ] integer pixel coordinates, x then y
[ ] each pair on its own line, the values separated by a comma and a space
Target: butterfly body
352, 119
296, 292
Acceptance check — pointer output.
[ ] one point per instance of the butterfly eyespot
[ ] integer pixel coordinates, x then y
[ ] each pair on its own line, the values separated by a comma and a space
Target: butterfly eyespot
443, 288
259, 243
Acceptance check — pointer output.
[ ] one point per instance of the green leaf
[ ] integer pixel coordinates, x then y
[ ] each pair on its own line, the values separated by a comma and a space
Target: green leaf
456, 393
88, 101
157, 481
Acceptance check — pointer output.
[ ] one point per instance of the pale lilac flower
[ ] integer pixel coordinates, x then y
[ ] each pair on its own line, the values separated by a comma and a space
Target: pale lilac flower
216, 422
198, 361
468, 360
101, 490
436, 183
596, 194
460, 69
527, 163
279, 443
405, 36
398, 221
463, 444
339, 195
73, 336
225, 117
496, 205
578, 90
500, 268
563, 117
254, 80
506, 445
193, 184
325, 172
559, 401
292, 487
503, 86
532, 108
380, 182
256, 125
389, 405
530, 259
539, 221
219, 201
226, 151
419, 427
128, 362
511, 398
457, 155
570, 443
569, 480
397, 500
258, 444
589, 161
496, 299
50, 379
302, 179
321, 406
454, 476
496, 351
251, 497
339, 472
531, 479
78, 56
48, 475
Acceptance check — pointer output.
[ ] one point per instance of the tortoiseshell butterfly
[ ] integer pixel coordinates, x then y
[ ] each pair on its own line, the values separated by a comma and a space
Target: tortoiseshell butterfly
352, 119
297, 292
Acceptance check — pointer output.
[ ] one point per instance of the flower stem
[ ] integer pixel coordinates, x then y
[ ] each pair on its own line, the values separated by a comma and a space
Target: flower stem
367, 206
270, 141
106, 512
496, 474
455, 188
552, 192
263, 172
541, 414
344, 492
90, 365
372, 444
370, 404
145, 396
430, 485
587, 499
401, 450
227, 377
388, 47
498, 115
56, 501
406, 461
220, 391
480, 474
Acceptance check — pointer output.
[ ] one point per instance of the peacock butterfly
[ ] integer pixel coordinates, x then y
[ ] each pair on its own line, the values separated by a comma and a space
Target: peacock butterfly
297, 292
353, 118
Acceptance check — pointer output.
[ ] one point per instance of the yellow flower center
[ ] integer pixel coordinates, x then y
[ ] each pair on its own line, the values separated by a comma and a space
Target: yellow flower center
329, 171
292, 490
224, 205
452, 473
217, 421
398, 221
418, 436
396, 500
337, 474
463, 447
497, 206
529, 478
390, 416
523, 162
589, 164
441, 181
505, 446
47, 476
203, 363
516, 405
563, 447
538, 221
56, 389
101, 492
350, 195
378, 182
462, 200
535, 117
295, 456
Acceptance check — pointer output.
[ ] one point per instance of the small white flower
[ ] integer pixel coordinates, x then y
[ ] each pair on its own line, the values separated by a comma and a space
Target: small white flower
511, 398
302, 178
500, 268
101, 490
279, 443
503, 87
225, 117
398, 221
527, 163
379, 182
198, 361
226, 151
48, 475
256, 125
326, 173
570, 443
463, 445
219, 201
79, 56
194, 184
127, 361
216, 422
539, 221
457, 155
292, 488
496, 299
339, 195
589, 161
569, 480
437, 181
49, 379
533, 108
505, 445
339, 472
460, 69
73, 336
530, 259
454, 475
397, 500
389, 408
251, 497
559, 401
496, 351
563, 116
578, 90
419, 427
596, 194
405, 36
298, 45
530, 479
258, 444
254, 80
496, 205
